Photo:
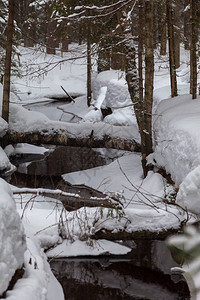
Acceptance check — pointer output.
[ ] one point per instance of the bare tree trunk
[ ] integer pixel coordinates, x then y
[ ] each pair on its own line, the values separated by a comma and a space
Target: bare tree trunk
186, 25
89, 64
177, 33
6, 86
140, 47
149, 77
64, 36
51, 37
171, 48
193, 54
163, 33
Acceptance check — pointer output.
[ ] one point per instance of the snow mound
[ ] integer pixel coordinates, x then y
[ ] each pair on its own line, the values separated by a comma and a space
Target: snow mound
176, 131
117, 93
122, 116
24, 119
12, 239
102, 80
189, 192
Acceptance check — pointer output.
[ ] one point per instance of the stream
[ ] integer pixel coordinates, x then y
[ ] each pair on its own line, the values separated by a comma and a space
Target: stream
144, 273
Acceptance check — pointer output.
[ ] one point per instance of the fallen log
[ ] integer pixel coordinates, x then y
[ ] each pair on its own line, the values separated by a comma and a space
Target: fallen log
38, 138
135, 235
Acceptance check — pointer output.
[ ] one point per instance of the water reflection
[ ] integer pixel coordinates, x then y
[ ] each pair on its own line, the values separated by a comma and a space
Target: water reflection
65, 159
142, 274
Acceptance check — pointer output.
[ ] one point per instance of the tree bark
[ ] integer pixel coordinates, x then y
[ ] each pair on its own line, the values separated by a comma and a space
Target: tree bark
51, 37
186, 25
140, 47
193, 54
89, 64
172, 66
146, 144
177, 33
9, 42
163, 32
38, 138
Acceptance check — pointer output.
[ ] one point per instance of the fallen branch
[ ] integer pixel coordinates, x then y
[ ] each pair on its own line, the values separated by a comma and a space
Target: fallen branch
70, 201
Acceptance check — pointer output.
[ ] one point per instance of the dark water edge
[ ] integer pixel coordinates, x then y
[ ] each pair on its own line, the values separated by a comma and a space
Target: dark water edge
142, 274
64, 159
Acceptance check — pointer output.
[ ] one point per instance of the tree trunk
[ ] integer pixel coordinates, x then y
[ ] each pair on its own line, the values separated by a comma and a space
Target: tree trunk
163, 30
89, 64
51, 37
149, 77
186, 25
171, 48
140, 47
177, 33
6, 86
64, 36
193, 54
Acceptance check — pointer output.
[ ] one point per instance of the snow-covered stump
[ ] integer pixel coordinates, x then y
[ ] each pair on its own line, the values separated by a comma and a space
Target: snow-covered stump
12, 238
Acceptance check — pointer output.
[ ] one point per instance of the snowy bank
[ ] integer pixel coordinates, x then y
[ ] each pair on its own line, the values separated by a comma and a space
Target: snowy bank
12, 238
176, 130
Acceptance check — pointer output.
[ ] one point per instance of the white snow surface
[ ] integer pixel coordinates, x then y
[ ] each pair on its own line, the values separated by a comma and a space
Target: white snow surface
117, 94
12, 238
103, 79
81, 248
3, 126
176, 136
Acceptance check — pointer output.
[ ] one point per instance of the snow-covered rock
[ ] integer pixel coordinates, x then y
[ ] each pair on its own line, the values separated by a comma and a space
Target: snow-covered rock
12, 238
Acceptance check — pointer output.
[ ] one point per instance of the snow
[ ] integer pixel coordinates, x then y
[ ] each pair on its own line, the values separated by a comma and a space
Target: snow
142, 198
12, 238
3, 127
81, 248
176, 128
103, 79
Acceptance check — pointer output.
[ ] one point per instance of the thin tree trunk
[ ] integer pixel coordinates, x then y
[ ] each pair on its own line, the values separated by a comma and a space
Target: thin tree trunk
171, 49
177, 33
64, 37
149, 77
89, 64
6, 86
186, 25
193, 54
140, 48
163, 34
51, 37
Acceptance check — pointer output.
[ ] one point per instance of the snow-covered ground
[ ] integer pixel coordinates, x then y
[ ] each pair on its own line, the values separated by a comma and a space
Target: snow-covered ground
46, 224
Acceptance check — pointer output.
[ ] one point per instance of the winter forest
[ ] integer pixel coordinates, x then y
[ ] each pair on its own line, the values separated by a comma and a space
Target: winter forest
99, 149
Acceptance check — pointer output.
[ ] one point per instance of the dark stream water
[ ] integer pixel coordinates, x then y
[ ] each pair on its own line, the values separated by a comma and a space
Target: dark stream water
142, 274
